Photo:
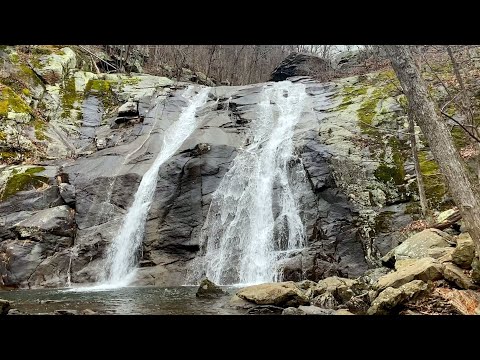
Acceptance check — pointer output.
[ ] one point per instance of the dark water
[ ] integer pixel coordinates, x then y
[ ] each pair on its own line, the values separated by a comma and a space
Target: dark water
128, 300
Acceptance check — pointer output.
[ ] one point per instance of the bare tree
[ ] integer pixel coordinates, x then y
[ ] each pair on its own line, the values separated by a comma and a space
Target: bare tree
416, 162
463, 189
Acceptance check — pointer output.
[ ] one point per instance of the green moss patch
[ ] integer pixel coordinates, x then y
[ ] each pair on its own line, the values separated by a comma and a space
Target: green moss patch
103, 90
459, 137
23, 181
9, 101
39, 127
349, 93
435, 188
69, 96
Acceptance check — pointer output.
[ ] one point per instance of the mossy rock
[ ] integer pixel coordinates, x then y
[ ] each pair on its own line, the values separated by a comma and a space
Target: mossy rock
435, 188
20, 181
103, 90
11, 102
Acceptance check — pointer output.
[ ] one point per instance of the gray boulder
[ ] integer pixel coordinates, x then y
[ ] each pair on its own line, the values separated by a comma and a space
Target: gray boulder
293, 311
209, 290
298, 64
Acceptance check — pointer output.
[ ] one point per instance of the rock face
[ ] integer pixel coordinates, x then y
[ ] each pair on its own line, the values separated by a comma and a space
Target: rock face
57, 220
209, 290
284, 294
298, 64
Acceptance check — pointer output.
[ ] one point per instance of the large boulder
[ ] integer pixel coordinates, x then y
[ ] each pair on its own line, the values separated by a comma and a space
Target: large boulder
283, 294
390, 298
209, 290
298, 64
419, 245
464, 251
426, 269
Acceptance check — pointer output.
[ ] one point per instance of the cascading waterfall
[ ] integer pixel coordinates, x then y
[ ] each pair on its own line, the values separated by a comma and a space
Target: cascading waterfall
254, 220
121, 255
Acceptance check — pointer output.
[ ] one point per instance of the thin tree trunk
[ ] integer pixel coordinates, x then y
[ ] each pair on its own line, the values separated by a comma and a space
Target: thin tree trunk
462, 188
234, 65
416, 162
465, 100
127, 55
212, 52
466, 104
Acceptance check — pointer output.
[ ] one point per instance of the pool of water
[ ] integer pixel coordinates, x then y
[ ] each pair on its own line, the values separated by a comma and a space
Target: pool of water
127, 300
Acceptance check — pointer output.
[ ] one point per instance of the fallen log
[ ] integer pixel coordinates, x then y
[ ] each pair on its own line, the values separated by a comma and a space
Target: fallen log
449, 221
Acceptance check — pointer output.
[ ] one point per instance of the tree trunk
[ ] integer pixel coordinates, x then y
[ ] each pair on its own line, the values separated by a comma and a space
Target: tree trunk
462, 188
465, 99
212, 52
416, 162
466, 105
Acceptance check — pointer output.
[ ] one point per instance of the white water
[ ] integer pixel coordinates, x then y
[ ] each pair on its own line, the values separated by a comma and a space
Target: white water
122, 253
254, 221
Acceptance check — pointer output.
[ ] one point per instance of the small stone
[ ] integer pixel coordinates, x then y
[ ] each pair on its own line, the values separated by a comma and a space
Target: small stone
4, 307
89, 312
66, 312
456, 275
265, 310
314, 310
293, 311
342, 312
464, 251
326, 301
130, 108
476, 271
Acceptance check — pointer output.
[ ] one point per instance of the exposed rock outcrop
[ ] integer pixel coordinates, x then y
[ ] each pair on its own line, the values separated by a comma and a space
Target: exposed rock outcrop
358, 199
299, 64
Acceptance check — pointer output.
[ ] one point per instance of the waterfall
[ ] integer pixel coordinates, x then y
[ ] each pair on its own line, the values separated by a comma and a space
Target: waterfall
122, 253
254, 219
